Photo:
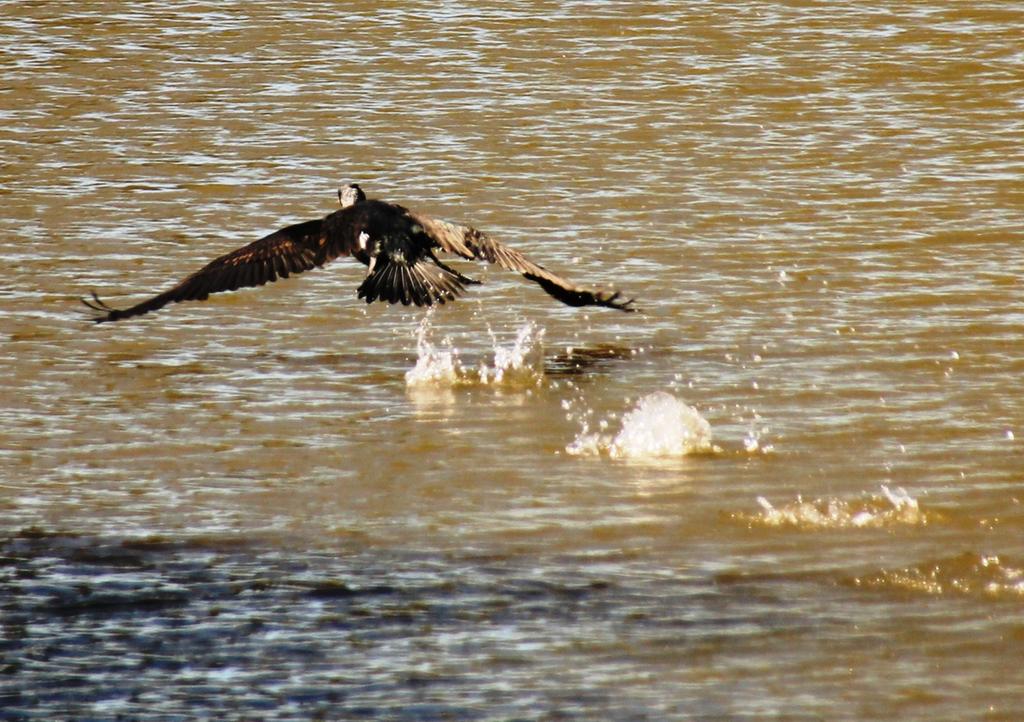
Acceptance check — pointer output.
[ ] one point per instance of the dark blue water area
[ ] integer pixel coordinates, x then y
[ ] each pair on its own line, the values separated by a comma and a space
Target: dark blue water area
160, 629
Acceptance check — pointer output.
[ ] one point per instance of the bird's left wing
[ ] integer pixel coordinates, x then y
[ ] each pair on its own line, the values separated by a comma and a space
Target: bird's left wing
290, 250
476, 245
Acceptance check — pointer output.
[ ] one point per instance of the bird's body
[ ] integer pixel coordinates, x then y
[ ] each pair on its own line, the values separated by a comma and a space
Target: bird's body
397, 246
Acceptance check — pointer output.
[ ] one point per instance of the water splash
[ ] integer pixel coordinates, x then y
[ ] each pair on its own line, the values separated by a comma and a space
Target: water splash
889, 508
434, 366
522, 363
518, 365
756, 439
965, 574
659, 426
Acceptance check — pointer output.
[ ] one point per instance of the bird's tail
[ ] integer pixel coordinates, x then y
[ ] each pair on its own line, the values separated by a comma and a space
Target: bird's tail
423, 283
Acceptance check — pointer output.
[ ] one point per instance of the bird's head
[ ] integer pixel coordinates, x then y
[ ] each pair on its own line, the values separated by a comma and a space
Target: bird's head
350, 195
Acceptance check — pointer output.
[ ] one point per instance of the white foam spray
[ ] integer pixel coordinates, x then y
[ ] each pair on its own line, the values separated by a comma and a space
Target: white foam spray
891, 507
520, 364
659, 426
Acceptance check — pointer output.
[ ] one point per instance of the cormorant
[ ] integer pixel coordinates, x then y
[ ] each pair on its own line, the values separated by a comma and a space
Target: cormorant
397, 246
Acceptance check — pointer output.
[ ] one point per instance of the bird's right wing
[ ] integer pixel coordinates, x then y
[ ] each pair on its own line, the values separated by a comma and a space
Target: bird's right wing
476, 245
290, 250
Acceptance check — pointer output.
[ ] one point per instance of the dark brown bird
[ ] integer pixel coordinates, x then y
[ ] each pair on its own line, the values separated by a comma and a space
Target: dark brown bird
397, 246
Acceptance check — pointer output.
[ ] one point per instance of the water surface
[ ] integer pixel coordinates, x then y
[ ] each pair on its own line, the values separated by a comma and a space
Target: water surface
791, 488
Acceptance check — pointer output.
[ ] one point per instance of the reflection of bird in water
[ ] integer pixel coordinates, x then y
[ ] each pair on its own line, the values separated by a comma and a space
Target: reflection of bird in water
574, 361
397, 246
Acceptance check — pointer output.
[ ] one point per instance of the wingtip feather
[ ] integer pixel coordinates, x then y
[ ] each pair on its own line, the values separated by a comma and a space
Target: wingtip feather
100, 306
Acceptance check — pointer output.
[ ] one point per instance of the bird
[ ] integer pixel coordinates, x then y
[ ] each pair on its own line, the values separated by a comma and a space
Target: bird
398, 247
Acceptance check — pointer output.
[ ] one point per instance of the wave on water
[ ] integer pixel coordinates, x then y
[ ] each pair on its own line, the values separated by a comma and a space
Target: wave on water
968, 574
659, 426
518, 365
891, 507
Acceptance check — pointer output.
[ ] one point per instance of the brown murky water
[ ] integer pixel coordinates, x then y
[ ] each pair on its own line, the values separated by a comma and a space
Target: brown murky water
791, 489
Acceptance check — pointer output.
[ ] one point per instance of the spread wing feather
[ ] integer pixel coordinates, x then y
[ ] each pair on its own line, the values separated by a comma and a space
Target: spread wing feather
476, 245
288, 251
